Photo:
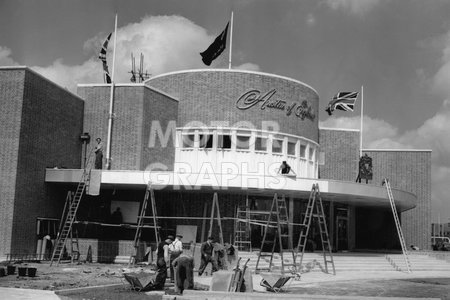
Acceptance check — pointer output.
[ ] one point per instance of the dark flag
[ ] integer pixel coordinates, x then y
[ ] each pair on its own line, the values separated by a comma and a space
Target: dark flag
102, 57
343, 101
216, 48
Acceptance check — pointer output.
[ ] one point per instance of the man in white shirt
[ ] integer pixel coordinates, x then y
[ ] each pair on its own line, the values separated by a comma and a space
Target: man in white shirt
175, 250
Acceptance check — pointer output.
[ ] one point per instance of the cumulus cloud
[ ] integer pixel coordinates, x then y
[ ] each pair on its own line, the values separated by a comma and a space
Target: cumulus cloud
5, 57
357, 7
168, 43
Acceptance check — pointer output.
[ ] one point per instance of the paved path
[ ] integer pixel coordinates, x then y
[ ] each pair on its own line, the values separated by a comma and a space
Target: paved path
27, 294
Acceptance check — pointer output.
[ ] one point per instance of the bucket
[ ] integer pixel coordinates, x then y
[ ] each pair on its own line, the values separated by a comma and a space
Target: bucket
22, 271
11, 270
2, 272
32, 272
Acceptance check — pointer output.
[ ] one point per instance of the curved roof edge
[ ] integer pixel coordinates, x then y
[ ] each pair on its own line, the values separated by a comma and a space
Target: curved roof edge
234, 71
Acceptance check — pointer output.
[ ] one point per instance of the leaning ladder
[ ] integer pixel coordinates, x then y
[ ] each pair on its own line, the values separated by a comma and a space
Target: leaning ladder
315, 202
278, 220
140, 224
397, 224
68, 217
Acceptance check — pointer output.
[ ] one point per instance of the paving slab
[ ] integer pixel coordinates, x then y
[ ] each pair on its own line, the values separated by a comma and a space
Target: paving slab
27, 294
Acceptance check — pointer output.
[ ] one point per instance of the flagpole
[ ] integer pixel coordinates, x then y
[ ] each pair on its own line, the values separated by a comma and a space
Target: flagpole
231, 41
111, 102
361, 132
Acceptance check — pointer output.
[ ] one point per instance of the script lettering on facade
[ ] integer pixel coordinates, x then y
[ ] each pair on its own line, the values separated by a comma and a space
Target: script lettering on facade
253, 98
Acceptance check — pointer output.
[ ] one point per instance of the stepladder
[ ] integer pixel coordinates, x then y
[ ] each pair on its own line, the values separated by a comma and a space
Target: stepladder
314, 209
276, 237
242, 229
216, 210
141, 224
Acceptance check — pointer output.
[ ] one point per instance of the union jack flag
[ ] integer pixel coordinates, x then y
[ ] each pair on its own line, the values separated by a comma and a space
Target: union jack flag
343, 101
102, 57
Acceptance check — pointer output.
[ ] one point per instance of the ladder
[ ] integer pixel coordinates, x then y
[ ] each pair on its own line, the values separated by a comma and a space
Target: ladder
315, 203
215, 204
140, 224
74, 244
277, 220
397, 224
242, 232
68, 217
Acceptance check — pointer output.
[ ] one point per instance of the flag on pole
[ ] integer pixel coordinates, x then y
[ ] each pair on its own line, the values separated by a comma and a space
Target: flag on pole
102, 57
216, 48
343, 101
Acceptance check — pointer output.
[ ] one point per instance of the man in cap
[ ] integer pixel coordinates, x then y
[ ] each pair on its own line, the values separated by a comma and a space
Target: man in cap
184, 272
207, 256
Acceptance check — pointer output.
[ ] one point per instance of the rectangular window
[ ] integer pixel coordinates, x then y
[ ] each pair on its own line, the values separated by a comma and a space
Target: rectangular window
261, 144
277, 146
311, 153
242, 142
224, 141
291, 148
206, 141
188, 140
302, 151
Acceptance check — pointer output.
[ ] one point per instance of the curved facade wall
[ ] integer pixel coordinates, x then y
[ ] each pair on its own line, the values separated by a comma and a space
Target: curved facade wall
232, 98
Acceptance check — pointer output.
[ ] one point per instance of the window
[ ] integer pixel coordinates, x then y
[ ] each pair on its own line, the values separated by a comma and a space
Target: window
188, 140
277, 146
224, 141
206, 141
291, 148
311, 153
242, 142
303, 151
261, 144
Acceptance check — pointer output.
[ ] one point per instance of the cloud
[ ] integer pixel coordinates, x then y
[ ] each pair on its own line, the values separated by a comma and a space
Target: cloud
441, 79
5, 57
168, 43
248, 67
310, 20
357, 7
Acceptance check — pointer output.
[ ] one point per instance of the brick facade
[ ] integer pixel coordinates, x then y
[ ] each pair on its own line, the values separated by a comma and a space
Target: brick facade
135, 107
341, 148
408, 171
46, 122
210, 96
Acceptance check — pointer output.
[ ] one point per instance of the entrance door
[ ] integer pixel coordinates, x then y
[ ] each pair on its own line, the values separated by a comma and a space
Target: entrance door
341, 233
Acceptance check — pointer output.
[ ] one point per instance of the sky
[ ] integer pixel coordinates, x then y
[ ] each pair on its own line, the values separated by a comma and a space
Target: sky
398, 50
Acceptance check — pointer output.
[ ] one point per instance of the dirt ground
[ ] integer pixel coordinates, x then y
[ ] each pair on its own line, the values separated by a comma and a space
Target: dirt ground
67, 276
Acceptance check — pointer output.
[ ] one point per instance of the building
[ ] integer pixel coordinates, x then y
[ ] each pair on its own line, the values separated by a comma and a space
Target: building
192, 134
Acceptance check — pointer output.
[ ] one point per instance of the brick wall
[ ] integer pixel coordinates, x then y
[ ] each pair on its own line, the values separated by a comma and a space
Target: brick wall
408, 171
50, 125
11, 93
210, 96
341, 149
135, 107
159, 110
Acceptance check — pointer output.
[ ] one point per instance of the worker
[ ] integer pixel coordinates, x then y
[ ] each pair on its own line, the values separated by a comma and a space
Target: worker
285, 168
162, 258
98, 150
207, 251
175, 250
184, 272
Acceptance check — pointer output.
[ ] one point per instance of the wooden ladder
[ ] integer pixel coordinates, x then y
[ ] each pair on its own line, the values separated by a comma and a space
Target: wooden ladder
315, 203
397, 224
140, 222
278, 221
68, 217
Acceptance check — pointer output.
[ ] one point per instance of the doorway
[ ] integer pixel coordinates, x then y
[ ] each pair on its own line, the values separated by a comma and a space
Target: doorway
341, 233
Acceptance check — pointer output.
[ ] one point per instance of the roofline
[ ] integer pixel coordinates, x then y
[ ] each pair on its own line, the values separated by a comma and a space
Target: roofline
25, 68
339, 129
128, 85
398, 150
231, 70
